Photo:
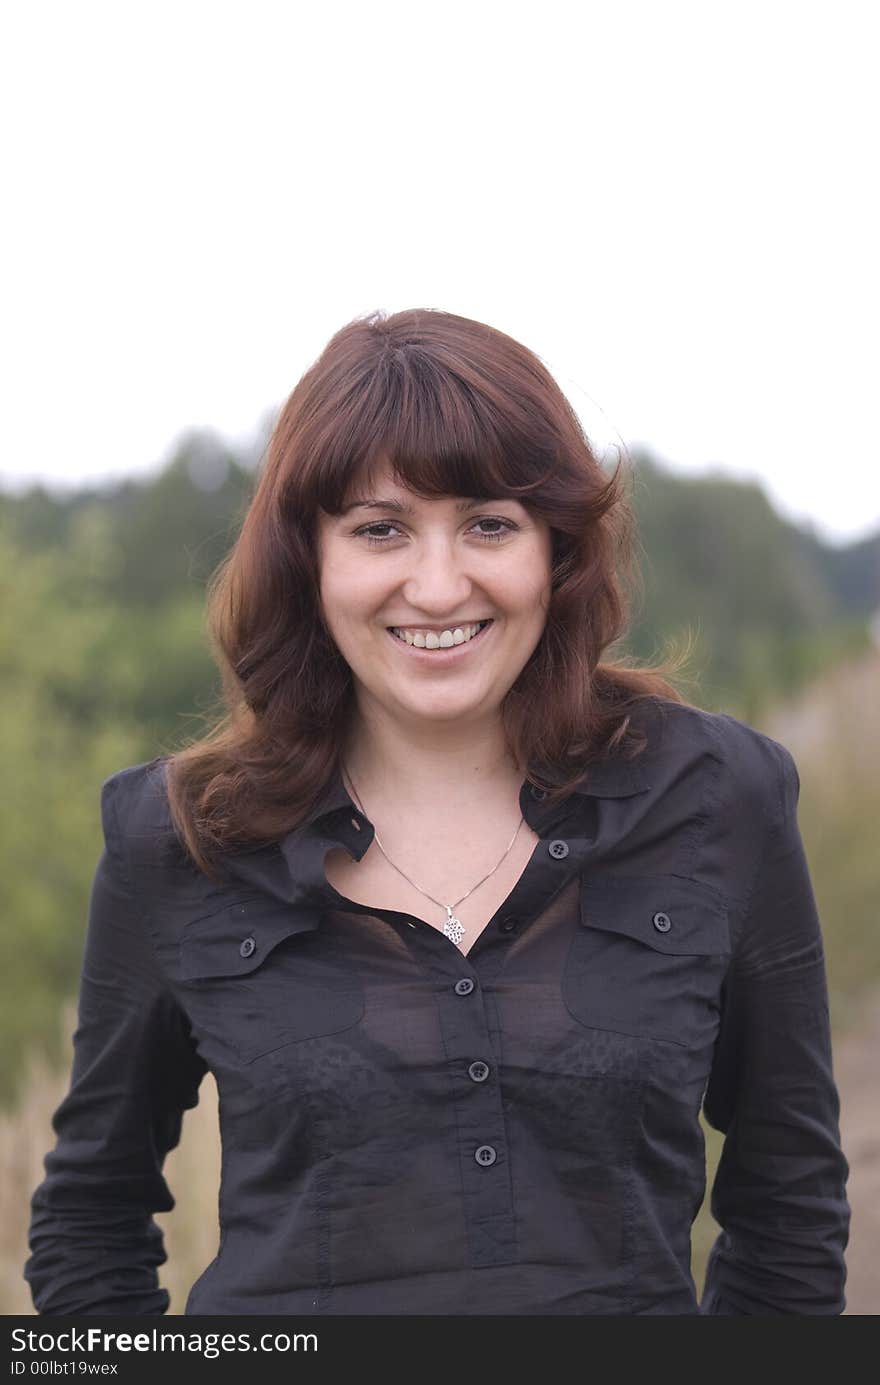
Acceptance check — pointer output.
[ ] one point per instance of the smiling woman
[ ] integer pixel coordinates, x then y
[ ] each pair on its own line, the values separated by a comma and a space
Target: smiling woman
467, 919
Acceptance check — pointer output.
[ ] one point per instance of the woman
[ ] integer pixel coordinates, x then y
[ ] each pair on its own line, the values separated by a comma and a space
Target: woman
467, 924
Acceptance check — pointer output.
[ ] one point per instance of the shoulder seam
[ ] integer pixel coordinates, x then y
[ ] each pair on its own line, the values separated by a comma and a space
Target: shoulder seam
112, 831
110, 811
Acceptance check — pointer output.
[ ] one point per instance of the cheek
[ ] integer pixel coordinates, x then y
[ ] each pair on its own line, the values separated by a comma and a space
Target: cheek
341, 580
528, 584
349, 601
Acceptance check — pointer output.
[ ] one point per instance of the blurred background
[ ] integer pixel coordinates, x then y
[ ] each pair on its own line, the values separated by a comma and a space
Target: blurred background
668, 204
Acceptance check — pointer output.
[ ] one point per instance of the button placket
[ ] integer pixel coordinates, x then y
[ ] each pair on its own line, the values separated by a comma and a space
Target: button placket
477, 1135
481, 1127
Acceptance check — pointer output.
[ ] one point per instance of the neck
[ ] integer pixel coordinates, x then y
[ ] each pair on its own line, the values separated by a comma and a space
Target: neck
452, 765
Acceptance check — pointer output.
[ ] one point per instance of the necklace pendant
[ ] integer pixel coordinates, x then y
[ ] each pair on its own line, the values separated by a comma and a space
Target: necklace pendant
453, 927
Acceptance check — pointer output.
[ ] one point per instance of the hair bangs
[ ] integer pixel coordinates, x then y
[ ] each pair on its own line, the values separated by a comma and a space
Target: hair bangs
440, 433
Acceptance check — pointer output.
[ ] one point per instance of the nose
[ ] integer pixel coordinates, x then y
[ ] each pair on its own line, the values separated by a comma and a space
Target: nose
438, 582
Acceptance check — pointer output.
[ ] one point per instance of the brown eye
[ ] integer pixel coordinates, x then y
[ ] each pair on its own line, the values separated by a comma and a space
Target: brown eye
508, 526
366, 532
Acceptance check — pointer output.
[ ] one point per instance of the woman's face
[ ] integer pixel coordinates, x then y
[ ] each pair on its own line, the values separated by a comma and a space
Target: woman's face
433, 567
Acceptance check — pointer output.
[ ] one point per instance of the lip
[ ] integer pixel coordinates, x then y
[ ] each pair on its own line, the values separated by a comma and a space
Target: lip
442, 658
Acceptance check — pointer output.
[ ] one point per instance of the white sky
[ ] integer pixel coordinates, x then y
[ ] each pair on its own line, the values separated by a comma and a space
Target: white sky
671, 203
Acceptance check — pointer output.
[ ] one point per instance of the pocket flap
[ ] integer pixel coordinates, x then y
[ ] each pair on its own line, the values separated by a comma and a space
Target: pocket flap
665, 912
237, 939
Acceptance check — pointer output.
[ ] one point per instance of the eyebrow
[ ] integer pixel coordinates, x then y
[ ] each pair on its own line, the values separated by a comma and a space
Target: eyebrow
398, 507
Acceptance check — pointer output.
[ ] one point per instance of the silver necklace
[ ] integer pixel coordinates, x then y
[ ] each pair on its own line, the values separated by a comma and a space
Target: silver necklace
453, 927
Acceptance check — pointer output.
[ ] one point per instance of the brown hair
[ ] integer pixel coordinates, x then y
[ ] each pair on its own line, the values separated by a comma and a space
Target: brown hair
457, 408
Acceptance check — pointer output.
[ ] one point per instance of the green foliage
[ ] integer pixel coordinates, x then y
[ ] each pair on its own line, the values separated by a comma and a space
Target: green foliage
143, 544
762, 606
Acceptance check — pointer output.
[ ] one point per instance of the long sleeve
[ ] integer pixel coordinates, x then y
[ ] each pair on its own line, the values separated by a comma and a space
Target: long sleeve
95, 1246
780, 1190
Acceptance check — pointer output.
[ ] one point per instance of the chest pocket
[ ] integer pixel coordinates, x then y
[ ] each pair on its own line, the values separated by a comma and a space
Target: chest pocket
258, 975
648, 958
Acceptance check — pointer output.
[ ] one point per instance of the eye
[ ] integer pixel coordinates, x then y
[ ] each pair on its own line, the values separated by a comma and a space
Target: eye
507, 527
368, 531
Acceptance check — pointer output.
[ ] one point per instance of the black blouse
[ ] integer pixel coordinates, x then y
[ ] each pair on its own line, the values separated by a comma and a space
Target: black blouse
408, 1130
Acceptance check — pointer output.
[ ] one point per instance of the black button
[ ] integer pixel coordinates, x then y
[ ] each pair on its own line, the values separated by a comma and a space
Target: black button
662, 922
537, 793
478, 1071
485, 1155
508, 924
247, 947
464, 986
558, 850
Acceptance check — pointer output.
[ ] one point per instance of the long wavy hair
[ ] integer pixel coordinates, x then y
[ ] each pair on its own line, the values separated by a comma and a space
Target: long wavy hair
457, 408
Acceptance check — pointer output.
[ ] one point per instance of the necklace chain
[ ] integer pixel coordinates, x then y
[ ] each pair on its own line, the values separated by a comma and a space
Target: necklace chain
453, 927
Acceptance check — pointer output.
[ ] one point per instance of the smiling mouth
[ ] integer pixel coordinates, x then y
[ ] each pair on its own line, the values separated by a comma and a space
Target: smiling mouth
467, 630
441, 652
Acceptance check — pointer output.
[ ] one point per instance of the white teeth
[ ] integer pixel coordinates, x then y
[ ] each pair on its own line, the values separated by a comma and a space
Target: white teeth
433, 639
